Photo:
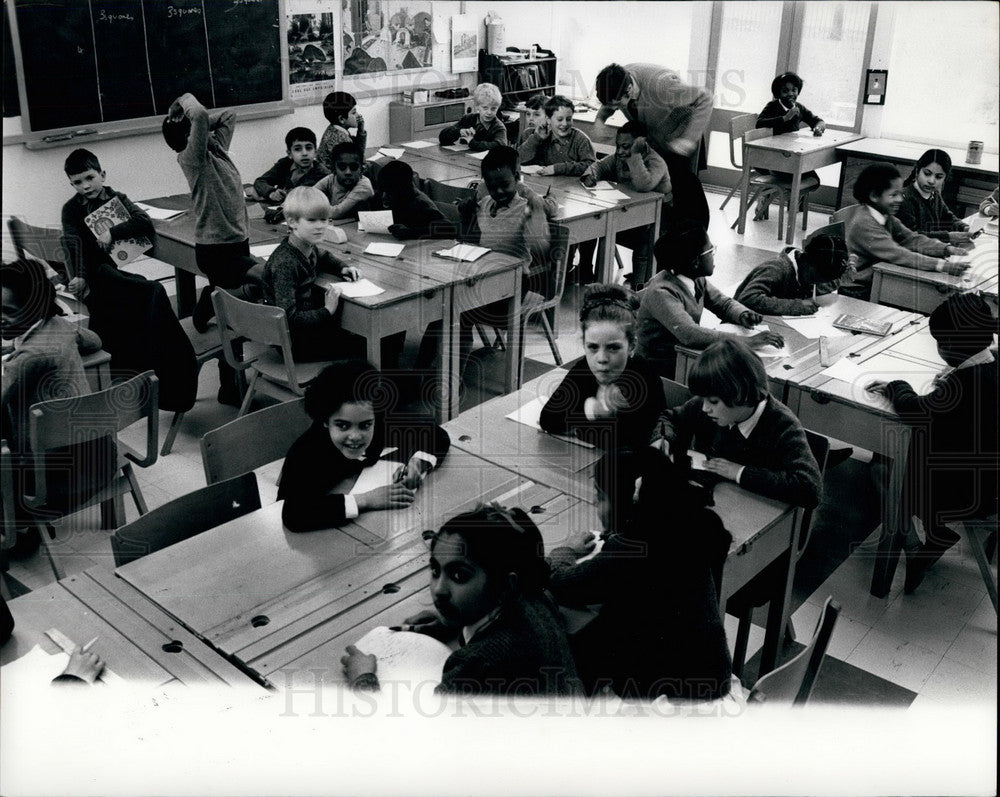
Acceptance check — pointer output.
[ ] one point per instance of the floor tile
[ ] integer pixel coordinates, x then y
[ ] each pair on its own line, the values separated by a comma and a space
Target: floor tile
925, 623
954, 682
976, 647
901, 662
846, 634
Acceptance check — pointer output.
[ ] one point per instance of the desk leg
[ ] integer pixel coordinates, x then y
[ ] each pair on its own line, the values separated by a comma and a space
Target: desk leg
515, 353
744, 193
450, 375
793, 203
876, 287
373, 344
186, 299
606, 258
894, 523
779, 608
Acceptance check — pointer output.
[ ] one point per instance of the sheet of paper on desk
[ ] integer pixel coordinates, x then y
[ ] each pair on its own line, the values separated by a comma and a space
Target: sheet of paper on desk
463, 252
921, 346
773, 352
617, 119
736, 329
589, 115
611, 195
531, 168
478, 155
405, 656
529, 413
886, 368
384, 250
391, 152
160, 214
375, 221
255, 210
602, 185
457, 147
813, 326
420, 144
374, 476
264, 250
363, 287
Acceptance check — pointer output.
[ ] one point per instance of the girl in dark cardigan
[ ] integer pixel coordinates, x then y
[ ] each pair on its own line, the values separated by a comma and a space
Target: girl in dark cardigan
348, 403
487, 582
923, 210
659, 631
747, 435
609, 398
952, 470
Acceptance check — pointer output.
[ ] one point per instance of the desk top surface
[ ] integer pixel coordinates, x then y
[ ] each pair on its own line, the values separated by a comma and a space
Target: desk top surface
911, 151
803, 141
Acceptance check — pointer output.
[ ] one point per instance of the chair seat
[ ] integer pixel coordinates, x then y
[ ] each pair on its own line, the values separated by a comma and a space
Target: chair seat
205, 344
271, 366
531, 302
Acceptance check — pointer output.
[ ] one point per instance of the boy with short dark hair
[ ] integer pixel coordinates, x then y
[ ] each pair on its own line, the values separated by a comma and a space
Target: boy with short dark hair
347, 188
222, 245
559, 148
341, 111
87, 252
299, 167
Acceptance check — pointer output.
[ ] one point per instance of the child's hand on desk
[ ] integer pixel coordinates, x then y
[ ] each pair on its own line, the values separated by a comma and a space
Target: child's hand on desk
810, 306
581, 542
400, 231
277, 195
766, 338
749, 319
83, 666
412, 473
467, 133
956, 267
350, 273
356, 664
78, 287
961, 237
958, 251
392, 496
547, 170
429, 622
878, 387
820, 128
588, 180
723, 467
331, 298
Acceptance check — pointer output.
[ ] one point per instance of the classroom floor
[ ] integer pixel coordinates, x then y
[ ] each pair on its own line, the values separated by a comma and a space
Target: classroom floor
937, 646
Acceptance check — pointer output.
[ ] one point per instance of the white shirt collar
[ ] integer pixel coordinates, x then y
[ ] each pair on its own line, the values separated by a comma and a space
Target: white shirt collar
877, 215
469, 631
747, 426
687, 282
982, 358
919, 190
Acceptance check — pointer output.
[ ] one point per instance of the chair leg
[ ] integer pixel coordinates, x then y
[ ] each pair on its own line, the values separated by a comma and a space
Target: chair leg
57, 569
109, 516
742, 639
984, 568
805, 211
140, 502
781, 216
731, 194
168, 441
547, 328
498, 340
481, 331
248, 398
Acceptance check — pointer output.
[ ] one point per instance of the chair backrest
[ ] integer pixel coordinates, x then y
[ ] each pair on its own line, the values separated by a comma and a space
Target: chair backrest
41, 243
62, 422
738, 127
792, 683
252, 441
556, 266
674, 392
440, 192
259, 323
186, 517
843, 214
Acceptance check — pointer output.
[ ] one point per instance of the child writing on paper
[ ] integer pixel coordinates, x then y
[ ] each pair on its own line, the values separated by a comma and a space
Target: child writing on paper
289, 280
87, 251
746, 434
341, 111
989, 207
487, 581
659, 630
347, 189
672, 302
352, 426
480, 130
923, 210
414, 214
610, 398
298, 167
874, 234
790, 283
952, 472
637, 165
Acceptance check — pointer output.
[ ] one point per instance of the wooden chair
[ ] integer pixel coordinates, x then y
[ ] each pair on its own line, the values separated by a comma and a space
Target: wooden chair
186, 517
252, 441
207, 347
261, 328
792, 683
763, 587
445, 197
40, 243
58, 423
674, 392
550, 279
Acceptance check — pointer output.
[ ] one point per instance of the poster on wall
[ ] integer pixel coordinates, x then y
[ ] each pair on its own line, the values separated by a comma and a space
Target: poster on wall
464, 43
387, 36
312, 61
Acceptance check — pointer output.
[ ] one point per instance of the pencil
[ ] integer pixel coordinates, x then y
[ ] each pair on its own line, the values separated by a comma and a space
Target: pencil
86, 647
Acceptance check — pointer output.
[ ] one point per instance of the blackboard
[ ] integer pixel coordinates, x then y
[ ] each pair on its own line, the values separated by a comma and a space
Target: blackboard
94, 64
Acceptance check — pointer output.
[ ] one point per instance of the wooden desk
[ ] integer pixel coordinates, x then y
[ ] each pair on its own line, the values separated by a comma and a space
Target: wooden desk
793, 153
137, 640
967, 185
923, 291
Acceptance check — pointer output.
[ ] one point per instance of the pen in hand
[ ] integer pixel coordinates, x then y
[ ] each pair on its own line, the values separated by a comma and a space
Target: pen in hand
547, 191
87, 647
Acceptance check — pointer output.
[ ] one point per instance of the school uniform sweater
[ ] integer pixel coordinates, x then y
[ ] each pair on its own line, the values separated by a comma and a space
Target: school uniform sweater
334, 135
659, 630
286, 176
891, 242
630, 429
647, 172
670, 314
570, 155
82, 249
506, 229
953, 459
220, 209
346, 202
314, 466
930, 217
777, 459
486, 136
772, 115
523, 651
773, 288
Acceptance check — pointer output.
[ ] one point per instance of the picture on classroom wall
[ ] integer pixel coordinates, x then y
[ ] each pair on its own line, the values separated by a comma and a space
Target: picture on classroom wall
381, 36
464, 43
311, 51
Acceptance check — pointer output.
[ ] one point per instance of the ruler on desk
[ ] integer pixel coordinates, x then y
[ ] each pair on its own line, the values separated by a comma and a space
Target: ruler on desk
68, 646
